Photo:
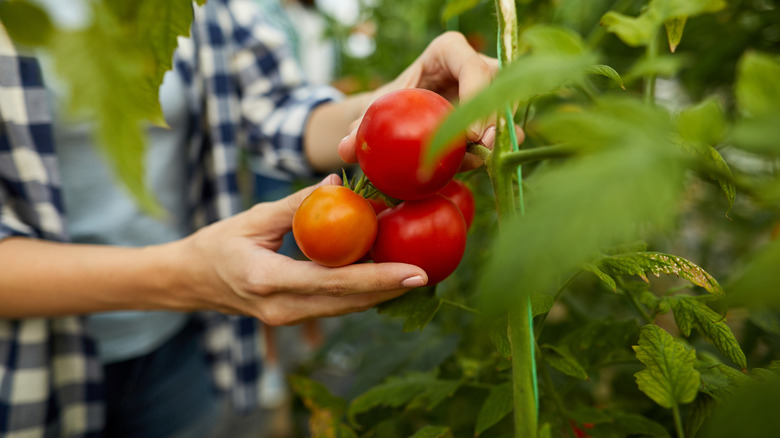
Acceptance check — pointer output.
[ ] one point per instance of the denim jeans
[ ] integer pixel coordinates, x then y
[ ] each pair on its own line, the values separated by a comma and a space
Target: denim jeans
166, 393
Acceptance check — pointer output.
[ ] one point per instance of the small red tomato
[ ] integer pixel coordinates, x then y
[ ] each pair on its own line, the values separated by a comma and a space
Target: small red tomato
378, 205
334, 226
460, 195
429, 233
393, 137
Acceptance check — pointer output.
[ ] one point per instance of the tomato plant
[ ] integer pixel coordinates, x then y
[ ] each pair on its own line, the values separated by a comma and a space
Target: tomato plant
460, 194
334, 226
393, 137
429, 233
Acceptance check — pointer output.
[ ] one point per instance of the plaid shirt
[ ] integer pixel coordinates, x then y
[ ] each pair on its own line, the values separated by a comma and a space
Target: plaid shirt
244, 89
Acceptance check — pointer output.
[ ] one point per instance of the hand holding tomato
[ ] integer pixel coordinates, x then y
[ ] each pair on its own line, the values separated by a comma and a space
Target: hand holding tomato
232, 266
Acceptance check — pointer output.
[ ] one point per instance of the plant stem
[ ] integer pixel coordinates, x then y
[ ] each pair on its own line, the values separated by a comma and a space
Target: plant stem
651, 54
520, 326
480, 151
638, 306
461, 306
678, 422
517, 158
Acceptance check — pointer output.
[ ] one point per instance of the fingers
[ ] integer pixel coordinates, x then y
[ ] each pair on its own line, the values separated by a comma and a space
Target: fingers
289, 309
276, 216
312, 279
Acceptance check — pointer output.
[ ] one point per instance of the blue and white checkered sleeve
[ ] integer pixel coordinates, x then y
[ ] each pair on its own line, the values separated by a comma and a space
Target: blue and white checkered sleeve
30, 202
276, 101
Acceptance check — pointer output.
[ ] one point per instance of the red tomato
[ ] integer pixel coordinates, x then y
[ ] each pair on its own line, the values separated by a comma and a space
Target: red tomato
334, 226
378, 205
460, 195
394, 135
429, 233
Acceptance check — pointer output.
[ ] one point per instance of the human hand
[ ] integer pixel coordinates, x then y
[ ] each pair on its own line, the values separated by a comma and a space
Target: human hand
233, 267
451, 67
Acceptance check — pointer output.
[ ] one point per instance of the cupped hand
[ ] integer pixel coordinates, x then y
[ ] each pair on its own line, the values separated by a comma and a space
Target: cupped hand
235, 269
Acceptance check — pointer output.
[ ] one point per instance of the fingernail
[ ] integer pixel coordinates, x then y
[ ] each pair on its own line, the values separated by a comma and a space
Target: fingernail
415, 281
489, 137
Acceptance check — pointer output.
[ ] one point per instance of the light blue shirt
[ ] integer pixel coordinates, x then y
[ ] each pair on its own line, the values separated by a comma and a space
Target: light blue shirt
100, 210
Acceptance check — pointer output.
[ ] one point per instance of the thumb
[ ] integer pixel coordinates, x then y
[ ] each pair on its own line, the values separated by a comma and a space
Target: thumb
279, 214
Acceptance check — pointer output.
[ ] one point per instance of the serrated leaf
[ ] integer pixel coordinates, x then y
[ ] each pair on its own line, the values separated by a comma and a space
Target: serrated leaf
453, 8
607, 71
416, 389
569, 222
551, 40
606, 279
26, 23
541, 304
517, 82
497, 405
701, 410
417, 306
565, 362
499, 336
690, 312
643, 264
674, 31
601, 341
670, 378
433, 432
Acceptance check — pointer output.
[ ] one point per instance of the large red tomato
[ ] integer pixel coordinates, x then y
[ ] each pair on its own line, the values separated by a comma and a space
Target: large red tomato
334, 226
459, 193
429, 233
393, 136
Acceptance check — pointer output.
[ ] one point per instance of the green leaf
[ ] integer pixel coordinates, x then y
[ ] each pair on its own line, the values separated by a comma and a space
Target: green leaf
326, 410
607, 71
702, 409
497, 405
690, 312
638, 425
25, 22
453, 8
643, 264
601, 341
758, 84
551, 40
663, 65
638, 31
416, 389
702, 123
517, 82
670, 378
603, 276
632, 31
499, 336
541, 304
433, 432
700, 128
575, 207
545, 430
417, 306
674, 31
565, 362
755, 286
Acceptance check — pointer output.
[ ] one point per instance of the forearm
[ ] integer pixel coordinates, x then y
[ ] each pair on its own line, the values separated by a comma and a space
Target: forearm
327, 125
40, 278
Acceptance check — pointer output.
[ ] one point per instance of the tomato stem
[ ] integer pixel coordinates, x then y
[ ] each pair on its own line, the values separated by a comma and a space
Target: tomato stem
478, 150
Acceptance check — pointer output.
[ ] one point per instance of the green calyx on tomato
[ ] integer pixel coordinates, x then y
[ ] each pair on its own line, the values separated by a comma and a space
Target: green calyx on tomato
393, 137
